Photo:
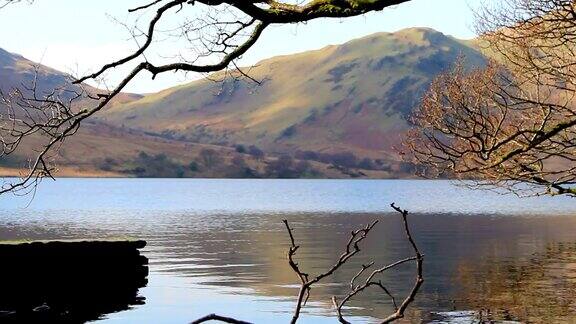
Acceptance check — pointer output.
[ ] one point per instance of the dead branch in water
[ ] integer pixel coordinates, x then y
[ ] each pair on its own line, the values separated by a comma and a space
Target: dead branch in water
352, 248
371, 282
214, 317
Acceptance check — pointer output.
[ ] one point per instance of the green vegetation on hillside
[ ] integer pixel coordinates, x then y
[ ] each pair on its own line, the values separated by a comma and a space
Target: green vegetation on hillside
353, 97
334, 112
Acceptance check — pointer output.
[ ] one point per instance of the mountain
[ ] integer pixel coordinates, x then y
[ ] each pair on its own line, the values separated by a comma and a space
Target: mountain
353, 97
18, 72
336, 112
95, 143
15, 71
100, 149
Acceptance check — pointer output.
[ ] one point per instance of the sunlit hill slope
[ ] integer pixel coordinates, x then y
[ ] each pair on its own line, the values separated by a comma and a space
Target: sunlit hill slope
351, 97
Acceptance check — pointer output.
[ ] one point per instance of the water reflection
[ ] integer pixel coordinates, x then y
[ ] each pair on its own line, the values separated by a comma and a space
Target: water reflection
212, 253
203, 263
254, 257
540, 288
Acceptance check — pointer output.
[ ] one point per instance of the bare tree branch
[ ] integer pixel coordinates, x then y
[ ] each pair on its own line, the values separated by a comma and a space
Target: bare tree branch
219, 33
371, 282
352, 248
511, 124
5, 3
214, 317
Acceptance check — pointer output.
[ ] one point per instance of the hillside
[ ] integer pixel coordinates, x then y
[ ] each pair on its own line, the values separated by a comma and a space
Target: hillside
18, 72
100, 149
352, 97
336, 112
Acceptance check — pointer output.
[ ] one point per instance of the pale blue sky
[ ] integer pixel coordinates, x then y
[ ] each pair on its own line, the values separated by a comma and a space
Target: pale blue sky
79, 35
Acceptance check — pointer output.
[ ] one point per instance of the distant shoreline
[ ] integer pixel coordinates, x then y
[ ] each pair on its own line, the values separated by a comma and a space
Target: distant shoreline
70, 172
65, 172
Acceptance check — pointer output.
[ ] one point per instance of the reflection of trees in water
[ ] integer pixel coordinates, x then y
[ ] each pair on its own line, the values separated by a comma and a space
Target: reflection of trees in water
246, 256
247, 253
540, 289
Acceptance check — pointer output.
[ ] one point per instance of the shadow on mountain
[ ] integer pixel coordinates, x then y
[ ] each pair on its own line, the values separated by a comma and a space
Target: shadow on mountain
70, 282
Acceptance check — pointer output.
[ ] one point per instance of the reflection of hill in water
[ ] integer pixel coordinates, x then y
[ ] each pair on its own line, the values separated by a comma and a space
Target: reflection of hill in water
234, 262
539, 289
69, 282
249, 253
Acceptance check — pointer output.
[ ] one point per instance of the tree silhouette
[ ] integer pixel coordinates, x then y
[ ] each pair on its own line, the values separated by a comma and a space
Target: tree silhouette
218, 32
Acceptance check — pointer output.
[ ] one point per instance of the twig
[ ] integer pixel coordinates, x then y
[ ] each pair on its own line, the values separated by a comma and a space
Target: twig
214, 317
370, 282
351, 249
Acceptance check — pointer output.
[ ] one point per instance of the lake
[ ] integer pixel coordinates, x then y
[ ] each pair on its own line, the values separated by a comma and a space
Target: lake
219, 246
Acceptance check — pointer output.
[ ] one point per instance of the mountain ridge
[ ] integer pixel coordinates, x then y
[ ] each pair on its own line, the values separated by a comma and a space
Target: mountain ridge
368, 83
103, 150
341, 108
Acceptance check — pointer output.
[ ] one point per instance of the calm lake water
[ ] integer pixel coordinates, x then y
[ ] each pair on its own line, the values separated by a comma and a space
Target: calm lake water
219, 246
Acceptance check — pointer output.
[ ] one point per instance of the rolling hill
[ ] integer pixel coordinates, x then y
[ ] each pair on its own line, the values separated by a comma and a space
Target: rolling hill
353, 97
15, 71
19, 72
336, 112
100, 149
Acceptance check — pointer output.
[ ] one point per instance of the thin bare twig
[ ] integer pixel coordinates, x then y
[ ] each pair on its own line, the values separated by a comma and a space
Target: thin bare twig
351, 249
371, 282
214, 317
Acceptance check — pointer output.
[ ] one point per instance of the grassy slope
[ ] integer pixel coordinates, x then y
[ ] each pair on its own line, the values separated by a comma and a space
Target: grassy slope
349, 97
84, 153
352, 97
19, 72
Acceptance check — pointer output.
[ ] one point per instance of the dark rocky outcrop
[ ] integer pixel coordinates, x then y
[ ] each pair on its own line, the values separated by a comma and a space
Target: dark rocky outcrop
69, 282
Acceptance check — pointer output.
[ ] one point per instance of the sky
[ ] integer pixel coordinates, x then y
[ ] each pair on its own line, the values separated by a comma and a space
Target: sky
78, 36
